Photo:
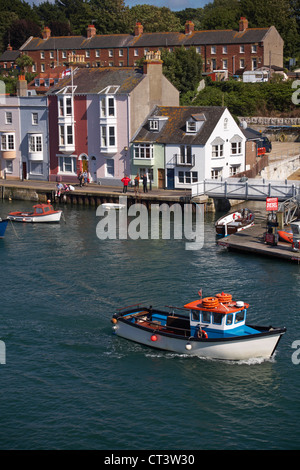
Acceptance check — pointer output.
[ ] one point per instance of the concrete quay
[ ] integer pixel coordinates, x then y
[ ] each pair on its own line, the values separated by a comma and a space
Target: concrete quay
251, 241
92, 194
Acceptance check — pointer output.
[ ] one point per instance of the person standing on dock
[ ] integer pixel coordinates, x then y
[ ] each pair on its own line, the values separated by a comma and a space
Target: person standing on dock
85, 178
125, 182
80, 177
145, 183
136, 184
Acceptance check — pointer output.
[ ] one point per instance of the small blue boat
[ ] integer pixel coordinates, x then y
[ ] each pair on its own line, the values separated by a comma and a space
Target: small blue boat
3, 225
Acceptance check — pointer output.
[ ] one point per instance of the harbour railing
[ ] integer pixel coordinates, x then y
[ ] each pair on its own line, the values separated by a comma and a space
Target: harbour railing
247, 189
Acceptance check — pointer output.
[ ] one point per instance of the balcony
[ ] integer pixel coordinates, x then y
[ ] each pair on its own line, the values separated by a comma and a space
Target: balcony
185, 160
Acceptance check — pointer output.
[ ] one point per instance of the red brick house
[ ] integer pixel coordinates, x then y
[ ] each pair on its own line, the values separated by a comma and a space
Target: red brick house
230, 50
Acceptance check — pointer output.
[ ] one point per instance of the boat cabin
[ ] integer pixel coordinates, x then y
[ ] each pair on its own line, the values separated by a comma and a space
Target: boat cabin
42, 209
217, 318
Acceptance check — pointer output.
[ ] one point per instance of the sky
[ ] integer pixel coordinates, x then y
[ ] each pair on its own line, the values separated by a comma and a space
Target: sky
174, 5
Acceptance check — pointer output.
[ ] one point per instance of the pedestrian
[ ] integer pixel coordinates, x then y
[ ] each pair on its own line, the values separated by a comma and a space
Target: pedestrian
145, 183
85, 177
125, 182
80, 177
136, 184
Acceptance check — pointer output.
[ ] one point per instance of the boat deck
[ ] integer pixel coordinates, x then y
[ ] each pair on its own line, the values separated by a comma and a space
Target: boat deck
251, 241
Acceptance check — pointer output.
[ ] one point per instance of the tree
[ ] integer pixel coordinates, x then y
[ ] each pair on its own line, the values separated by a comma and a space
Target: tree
155, 19
20, 31
183, 67
24, 61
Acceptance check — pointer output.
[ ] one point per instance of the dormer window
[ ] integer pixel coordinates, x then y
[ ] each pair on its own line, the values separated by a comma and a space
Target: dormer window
153, 125
191, 126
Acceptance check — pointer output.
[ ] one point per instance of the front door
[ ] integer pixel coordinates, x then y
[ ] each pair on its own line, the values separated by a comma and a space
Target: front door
93, 169
24, 171
170, 178
161, 178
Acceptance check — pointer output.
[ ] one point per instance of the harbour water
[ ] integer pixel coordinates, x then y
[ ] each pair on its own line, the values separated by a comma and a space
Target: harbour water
69, 383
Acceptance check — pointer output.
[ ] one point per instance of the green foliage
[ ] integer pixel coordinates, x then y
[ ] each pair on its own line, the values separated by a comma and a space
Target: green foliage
183, 68
248, 99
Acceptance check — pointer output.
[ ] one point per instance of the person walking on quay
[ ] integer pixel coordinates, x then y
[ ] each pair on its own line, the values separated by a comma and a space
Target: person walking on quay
136, 184
85, 178
80, 177
125, 182
145, 183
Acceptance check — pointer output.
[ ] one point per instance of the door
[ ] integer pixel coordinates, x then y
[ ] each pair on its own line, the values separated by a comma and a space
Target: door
93, 169
24, 171
161, 178
170, 178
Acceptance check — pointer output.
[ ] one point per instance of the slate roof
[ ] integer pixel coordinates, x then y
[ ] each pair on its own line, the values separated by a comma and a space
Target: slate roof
164, 39
174, 129
94, 80
9, 56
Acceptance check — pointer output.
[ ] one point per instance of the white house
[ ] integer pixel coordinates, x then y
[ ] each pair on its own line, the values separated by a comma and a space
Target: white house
199, 143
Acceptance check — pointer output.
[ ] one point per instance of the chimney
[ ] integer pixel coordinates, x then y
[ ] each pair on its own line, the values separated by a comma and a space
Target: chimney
138, 29
46, 33
9, 48
21, 86
243, 24
90, 31
189, 27
153, 69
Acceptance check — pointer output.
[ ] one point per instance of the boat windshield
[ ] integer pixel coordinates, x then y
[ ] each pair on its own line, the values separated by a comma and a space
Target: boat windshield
38, 210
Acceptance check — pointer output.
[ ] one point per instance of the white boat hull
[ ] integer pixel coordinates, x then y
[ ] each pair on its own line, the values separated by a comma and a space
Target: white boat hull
240, 348
36, 219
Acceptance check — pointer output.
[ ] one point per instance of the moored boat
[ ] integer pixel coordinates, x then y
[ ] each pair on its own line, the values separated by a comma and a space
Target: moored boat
40, 213
234, 222
3, 225
213, 327
285, 236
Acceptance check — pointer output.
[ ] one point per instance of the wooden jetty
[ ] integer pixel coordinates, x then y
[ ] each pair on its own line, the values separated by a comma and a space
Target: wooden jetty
252, 241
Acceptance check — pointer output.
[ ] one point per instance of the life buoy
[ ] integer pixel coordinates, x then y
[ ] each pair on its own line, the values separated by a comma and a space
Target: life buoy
224, 298
202, 334
210, 302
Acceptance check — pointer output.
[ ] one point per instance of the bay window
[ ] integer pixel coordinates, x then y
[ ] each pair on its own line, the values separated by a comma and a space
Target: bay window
7, 141
143, 151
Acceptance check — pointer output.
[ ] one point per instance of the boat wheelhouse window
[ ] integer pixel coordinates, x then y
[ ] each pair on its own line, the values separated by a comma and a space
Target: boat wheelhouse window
239, 316
46, 209
217, 318
229, 319
195, 315
39, 210
206, 317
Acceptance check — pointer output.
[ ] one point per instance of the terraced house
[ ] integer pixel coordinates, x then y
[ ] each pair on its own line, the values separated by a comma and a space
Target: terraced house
181, 145
229, 50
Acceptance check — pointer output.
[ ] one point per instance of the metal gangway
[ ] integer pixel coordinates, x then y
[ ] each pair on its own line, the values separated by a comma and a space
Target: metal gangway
247, 189
290, 209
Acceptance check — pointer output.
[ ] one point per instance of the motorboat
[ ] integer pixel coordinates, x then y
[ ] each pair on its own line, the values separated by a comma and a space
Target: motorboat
285, 236
3, 225
234, 222
40, 213
211, 327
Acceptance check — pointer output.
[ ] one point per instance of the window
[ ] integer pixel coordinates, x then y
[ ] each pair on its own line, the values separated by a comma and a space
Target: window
217, 151
229, 319
42, 55
225, 124
213, 49
198, 49
239, 316
254, 63
67, 164
236, 148
187, 177
224, 49
143, 151
107, 106
111, 133
153, 125
97, 53
9, 166
42, 67
242, 63
242, 49
217, 318
108, 136
136, 52
33, 68
110, 53
110, 168
206, 317
254, 48
121, 64
110, 64
234, 170
225, 64
65, 106
87, 54
8, 142
216, 173
121, 53
65, 135
185, 156
191, 126
8, 117
51, 55
64, 54
35, 143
